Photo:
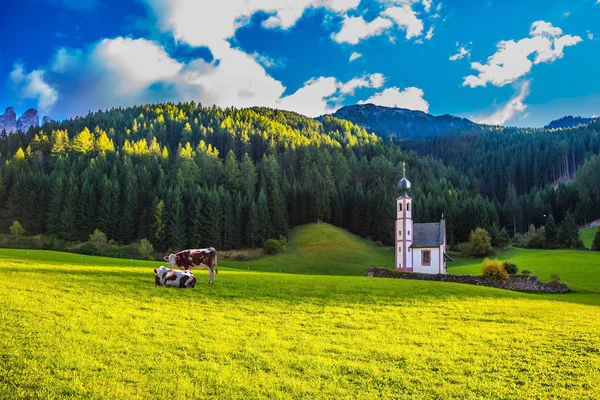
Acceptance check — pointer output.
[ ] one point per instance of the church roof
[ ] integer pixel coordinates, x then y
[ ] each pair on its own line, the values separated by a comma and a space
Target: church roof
429, 235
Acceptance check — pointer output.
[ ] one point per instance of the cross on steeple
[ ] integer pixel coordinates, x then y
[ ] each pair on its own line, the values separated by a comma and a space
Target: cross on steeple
403, 169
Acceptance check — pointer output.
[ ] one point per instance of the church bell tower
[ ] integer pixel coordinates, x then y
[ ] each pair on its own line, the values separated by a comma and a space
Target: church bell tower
404, 225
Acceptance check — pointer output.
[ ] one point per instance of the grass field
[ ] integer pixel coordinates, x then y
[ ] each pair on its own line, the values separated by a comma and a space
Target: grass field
587, 235
579, 269
92, 327
322, 249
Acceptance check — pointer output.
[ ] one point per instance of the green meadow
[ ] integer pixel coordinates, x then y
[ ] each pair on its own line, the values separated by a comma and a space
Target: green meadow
587, 236
98, 328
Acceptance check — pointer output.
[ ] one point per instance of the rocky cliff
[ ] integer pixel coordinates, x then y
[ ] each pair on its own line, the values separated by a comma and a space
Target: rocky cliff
30, 118
8, 121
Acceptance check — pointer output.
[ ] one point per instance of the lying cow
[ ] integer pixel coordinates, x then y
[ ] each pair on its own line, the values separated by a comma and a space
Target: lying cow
179, 279
199, 258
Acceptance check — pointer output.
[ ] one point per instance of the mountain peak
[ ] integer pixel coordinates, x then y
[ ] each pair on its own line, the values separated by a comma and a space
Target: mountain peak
30, 118
402, 123
568, 122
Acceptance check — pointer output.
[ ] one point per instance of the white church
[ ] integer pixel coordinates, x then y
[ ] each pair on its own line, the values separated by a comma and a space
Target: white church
419, 247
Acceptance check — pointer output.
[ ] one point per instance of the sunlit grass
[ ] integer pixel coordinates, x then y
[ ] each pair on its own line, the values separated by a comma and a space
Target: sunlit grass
322, 249
587, 236
579, 269
99, 328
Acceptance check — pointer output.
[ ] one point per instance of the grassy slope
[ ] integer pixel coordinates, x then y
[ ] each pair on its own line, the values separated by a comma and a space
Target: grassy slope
99, 328
580, 269
324, 250
587, 235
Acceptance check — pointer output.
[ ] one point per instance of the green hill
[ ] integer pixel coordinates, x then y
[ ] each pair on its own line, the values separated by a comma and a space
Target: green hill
322, 249
587, 235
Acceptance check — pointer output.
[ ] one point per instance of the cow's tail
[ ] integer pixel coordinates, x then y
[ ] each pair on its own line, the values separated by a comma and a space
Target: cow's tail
216, 265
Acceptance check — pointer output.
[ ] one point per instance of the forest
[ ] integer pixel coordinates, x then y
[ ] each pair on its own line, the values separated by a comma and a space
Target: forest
184, 175
529, 174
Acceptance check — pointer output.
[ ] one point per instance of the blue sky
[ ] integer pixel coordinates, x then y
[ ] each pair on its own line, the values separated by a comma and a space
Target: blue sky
508, 62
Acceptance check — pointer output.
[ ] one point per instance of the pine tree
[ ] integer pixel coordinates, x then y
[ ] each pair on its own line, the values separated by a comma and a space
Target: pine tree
159, 231
252, 234
210, 220
247, 176
512, 208
596, 242
83, 142
231, 172
175, 221
551, 233
263, 222
568, 233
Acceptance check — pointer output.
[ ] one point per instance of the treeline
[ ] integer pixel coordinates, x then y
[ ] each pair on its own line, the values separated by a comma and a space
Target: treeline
183, 175
528, 174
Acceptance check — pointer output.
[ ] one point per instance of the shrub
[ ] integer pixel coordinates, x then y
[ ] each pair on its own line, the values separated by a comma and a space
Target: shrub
145, 249
510, 268
98, 238
17, 229
537, 238
526, 272
555, 278
479, 244
494, 269
282, 240
379, 243
272, 246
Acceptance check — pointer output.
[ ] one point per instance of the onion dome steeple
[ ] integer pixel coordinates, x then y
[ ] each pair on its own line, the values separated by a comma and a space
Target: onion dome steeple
404, 184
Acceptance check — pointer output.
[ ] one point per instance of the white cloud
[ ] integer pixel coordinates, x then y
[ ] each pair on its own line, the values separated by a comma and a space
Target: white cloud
405, 18
429, 34
590, 35
136, 63
33, 86
65, 59
355, 56
410, 98
207, 23
427, 5
374, 81
266, 61
462, 53
317, 94
510, 109
512, 60
355, 29
124, 71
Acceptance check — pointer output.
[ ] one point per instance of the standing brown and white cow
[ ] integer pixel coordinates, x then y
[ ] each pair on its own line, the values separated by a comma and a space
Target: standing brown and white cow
197, 258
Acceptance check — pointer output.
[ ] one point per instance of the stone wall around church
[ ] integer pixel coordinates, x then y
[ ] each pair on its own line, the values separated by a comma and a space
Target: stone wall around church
520, 283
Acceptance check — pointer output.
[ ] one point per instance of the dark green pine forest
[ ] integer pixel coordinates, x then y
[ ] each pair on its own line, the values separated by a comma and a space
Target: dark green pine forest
183, 175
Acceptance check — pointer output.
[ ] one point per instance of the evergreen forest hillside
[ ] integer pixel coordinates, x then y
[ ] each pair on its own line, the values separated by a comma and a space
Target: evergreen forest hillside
183, 175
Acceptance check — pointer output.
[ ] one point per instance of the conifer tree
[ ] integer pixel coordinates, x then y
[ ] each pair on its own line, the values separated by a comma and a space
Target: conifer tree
551, 233
568, 233
252, 227
263, 222
596, 242
159, 232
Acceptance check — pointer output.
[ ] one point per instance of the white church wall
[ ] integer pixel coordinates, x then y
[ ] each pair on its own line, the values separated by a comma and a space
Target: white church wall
433, 268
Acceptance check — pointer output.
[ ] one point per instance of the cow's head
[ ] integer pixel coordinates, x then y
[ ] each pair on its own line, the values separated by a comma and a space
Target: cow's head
172, 259
158, 274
